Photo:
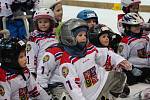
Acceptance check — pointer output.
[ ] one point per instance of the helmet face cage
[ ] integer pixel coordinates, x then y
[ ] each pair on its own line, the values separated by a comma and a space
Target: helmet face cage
10, 50
67, 35
87, 14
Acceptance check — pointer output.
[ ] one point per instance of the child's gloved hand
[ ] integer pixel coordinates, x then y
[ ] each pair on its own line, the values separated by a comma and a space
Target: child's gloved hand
136, 72
125, 65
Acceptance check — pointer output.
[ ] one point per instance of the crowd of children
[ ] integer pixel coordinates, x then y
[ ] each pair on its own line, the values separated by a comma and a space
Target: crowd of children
76, 59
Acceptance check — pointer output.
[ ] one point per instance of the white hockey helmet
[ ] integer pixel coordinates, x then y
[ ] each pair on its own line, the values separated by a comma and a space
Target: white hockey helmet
126, 3
44, 13
47, 3
132, 19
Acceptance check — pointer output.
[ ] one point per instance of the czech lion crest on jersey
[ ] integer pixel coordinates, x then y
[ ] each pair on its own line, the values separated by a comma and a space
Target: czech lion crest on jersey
46, 58
28, 48
65, 71
2, 91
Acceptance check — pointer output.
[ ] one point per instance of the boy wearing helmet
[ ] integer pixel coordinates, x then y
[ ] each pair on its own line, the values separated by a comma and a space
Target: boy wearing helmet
41, 38
81, 64
102, 36
89, 16
134, 47
16, 83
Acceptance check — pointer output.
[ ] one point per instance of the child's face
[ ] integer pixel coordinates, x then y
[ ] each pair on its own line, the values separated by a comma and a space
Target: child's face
81, 37
104, 40
91, 23
58, 12
43, 24
136, 29
134, 8
22, 59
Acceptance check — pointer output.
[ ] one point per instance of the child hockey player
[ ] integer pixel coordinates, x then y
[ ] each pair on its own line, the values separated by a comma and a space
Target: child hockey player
134, 47
103, 36
81, 65
127, 7
16, 82
103, 39
56, 7
41, 38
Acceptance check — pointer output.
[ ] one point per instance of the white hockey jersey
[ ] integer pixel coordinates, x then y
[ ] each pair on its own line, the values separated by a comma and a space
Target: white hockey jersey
85, 77
5, 9
36, 46
47, 71
136, 50
14, 87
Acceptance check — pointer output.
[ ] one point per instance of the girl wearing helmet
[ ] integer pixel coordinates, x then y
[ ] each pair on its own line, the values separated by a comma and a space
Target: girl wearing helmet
81, 65
15, 80
127, 6
41, 38
89, 16
54, 5
134, 47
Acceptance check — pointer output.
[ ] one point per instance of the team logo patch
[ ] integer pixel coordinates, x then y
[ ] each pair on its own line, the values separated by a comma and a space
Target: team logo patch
46, 58
90, 76
2, 91
120, 48
65, 71
28, 48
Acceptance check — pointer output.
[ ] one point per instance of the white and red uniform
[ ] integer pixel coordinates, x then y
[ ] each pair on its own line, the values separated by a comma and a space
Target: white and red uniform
85, 77
36, 46
47, 71
108, 55
5, 9
133, 48
14, 87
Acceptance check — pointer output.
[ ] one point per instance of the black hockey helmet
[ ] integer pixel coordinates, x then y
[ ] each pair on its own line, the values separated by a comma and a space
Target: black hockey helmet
9, 52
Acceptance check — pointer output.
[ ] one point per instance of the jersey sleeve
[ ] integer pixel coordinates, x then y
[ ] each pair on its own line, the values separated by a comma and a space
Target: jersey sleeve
46, 66
31, 54
71, 81
115, 58
107, 58
35, 91
5, 90
124, 50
